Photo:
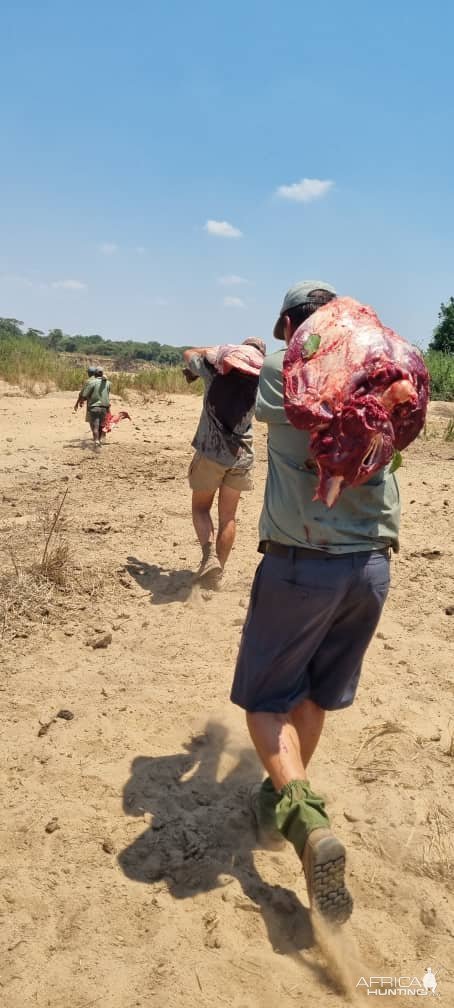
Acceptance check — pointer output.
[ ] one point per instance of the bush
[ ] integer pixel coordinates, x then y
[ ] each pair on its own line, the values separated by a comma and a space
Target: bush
441, 370
26, 362
166, 379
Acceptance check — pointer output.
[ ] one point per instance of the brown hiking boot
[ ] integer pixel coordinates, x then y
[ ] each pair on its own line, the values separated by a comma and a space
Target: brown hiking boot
210, 570
324, 867
268, 835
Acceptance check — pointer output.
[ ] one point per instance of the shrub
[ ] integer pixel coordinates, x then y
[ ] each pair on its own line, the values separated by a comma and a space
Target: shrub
26, 362
441, 370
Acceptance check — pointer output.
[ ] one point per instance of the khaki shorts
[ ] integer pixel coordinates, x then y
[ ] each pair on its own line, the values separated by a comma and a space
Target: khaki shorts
207, 476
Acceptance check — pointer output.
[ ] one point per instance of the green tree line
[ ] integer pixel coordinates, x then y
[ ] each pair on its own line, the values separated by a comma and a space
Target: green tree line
122, 352
443, 335
165, 355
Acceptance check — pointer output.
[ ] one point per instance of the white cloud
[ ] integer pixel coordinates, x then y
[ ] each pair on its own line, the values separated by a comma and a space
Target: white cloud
140, 249
161, 302
233, 302
74, 285
108, 248
232, 280
222, 229
305, 191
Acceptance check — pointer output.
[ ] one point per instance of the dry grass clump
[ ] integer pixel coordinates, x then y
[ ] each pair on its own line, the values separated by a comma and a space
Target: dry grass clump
28, 590
380, 752
40, 583
437, 856
53, 566
449, 751
27, 599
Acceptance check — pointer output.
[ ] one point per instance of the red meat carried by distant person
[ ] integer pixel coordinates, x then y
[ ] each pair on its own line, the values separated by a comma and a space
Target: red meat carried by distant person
359, 388
111, 419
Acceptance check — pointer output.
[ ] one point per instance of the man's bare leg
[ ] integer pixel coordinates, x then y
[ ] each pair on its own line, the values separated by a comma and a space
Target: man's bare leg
95, 427
227, 507
210, 568
308, 719
202, 502
285, 744
278, 746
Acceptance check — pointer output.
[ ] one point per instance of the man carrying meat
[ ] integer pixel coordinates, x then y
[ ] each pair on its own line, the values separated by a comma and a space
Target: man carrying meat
96, 394
223, 457
315, 603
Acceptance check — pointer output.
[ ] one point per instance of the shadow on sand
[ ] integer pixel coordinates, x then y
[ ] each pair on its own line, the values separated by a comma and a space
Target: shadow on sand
202, 831
164, 585
87, 443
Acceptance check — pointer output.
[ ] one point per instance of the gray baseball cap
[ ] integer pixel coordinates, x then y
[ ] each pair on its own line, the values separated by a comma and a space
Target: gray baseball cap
259, 344
301, 293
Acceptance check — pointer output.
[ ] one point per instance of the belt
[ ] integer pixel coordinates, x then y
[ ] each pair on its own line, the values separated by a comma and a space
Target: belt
301, 552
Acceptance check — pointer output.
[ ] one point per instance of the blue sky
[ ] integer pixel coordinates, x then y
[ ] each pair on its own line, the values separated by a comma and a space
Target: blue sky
127, 127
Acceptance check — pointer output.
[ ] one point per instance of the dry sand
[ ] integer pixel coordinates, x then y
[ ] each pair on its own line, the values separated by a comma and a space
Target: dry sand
150, 890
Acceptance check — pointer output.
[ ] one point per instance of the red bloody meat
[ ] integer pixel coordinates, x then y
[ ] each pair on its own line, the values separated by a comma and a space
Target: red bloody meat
110, 420
358, 387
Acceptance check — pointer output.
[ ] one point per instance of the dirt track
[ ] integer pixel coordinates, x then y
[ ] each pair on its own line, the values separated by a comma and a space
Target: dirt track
150, 891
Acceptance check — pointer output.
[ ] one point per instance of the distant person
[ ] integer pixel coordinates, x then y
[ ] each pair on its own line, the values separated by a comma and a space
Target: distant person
224, 454
96, 394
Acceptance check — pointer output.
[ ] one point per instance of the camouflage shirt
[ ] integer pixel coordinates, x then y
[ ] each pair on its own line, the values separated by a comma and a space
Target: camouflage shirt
224, 433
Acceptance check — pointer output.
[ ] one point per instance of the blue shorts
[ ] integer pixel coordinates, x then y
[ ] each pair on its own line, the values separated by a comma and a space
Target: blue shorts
308, 627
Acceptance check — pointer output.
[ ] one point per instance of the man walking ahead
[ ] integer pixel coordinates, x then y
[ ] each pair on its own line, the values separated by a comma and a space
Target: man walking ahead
315, 603
223, 456
96, 394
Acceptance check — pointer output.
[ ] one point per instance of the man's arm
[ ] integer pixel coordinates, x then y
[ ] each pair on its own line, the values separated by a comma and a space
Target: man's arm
83, 395
200, 351
79, 401
195, 362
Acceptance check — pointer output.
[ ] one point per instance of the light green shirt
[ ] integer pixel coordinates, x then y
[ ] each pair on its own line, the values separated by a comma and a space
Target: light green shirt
96, 392
363, 518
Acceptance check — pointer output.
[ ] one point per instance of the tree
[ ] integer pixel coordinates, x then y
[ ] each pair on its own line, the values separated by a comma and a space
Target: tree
10, 327
169, 356
69, 344
443, 336
126, 351
54, 339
